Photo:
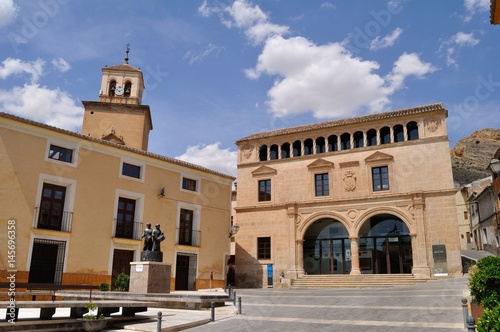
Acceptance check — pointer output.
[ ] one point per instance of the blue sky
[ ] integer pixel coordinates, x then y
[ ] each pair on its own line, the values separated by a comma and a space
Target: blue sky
216, 71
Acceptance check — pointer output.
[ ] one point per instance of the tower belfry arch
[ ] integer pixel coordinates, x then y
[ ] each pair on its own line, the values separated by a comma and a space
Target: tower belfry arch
119, 113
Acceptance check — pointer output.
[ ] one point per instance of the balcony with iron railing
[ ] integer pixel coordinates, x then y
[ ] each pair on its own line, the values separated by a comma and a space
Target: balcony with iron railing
188, 238
45, 219
128, 229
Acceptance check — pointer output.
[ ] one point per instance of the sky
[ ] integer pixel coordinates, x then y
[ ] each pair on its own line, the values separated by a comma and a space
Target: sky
216, 71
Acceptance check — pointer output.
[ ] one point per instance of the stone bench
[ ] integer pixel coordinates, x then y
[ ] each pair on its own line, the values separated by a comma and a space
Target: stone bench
77, 308
5, 296
46, 287
176, 300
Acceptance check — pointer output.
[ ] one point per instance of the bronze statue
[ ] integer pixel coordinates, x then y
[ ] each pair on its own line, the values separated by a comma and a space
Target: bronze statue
158, 236
148, 238
152, 237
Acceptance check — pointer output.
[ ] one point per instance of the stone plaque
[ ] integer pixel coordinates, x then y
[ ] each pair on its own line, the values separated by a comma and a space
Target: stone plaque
439, 251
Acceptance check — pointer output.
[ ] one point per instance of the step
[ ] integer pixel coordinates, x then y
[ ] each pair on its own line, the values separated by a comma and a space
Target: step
354, 281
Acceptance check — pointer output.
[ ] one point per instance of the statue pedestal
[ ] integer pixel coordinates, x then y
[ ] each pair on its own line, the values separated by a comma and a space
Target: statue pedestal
151, 256
149, 277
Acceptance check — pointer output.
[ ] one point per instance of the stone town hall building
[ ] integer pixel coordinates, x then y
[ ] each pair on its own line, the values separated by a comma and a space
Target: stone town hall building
367, 195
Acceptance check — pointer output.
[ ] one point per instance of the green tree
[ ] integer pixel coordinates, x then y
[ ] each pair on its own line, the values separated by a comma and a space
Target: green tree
484, 282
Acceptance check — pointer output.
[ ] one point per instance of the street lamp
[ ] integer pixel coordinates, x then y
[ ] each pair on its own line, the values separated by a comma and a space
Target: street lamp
494, 165
234, 229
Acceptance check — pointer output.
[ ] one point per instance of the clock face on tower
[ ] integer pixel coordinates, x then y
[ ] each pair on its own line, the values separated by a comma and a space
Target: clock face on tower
119, 91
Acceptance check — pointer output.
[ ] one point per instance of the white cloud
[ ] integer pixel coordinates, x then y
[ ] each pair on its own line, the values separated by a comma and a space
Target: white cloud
450, 47
387, 41
205, 10
251, 19
328, 5
197, 57
408, 65
327, 80
465, 39
474, 6
53, 107
211, 156
61, 65
15, 67
8, 12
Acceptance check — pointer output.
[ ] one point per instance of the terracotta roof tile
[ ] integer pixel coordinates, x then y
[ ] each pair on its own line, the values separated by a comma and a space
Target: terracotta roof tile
343, 122
123, 66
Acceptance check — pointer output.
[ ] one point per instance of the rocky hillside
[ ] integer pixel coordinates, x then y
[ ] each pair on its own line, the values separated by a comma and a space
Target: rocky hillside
471, 155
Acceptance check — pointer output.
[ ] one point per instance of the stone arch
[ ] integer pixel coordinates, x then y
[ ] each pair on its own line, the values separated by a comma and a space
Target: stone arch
408, 220
302, 228
382, 248
325, 245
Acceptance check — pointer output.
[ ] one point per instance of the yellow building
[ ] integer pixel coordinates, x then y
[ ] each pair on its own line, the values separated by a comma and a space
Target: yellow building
366, 195
79, 202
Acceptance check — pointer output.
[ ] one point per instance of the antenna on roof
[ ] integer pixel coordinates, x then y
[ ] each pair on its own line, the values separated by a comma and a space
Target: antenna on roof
126, 53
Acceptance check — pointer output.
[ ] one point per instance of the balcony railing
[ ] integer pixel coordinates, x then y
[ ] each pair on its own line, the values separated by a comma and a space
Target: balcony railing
128, 230
58, 222
192, 238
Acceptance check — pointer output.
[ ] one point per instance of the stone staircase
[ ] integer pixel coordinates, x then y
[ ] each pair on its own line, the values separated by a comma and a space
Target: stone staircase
354, 281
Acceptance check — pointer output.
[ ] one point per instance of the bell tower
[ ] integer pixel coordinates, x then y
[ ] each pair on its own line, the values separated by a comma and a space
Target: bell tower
119, 116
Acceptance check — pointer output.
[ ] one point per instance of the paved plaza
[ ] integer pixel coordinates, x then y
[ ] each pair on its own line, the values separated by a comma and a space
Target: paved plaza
434, 305
430, 306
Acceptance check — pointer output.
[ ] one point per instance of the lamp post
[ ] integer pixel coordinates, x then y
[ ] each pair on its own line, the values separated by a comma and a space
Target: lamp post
234, 229
494, 166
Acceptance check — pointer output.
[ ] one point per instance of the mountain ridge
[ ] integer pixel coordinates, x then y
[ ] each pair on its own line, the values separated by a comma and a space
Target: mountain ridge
472, 154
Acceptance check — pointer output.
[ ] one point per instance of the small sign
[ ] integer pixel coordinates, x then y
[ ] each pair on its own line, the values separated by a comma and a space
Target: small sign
139, 268
439, 251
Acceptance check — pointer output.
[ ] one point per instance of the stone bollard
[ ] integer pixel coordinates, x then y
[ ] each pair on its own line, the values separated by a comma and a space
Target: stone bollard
465, 311
158, 324
212, 311
230, 291
234, 299
239, 305
471, 327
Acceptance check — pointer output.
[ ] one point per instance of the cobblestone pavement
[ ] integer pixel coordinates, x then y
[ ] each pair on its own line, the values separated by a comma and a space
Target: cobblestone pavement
434, 305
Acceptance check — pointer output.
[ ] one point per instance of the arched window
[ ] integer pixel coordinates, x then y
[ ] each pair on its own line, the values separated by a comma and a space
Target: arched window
320, 145
263, 153
371, 137
333, 143
399, 135
273, 152
358, 139
412, 130
285, 150
385, 135
297, 149
308, 146
112, 87
128, 89
345, 141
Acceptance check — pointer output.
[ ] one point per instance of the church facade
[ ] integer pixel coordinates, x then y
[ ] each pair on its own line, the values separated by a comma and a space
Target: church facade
366, 195
77, 203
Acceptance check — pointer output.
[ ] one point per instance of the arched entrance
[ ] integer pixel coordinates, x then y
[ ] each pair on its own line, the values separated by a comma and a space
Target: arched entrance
327, 248
385, 246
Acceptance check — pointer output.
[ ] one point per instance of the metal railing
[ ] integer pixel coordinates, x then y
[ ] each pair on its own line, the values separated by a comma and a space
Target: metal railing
128, 230
61, 222
193, 238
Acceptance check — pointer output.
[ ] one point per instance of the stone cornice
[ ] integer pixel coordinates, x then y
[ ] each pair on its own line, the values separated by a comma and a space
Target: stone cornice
349, 202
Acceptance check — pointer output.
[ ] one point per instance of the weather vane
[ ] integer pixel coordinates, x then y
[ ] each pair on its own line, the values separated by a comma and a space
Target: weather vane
128, 50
